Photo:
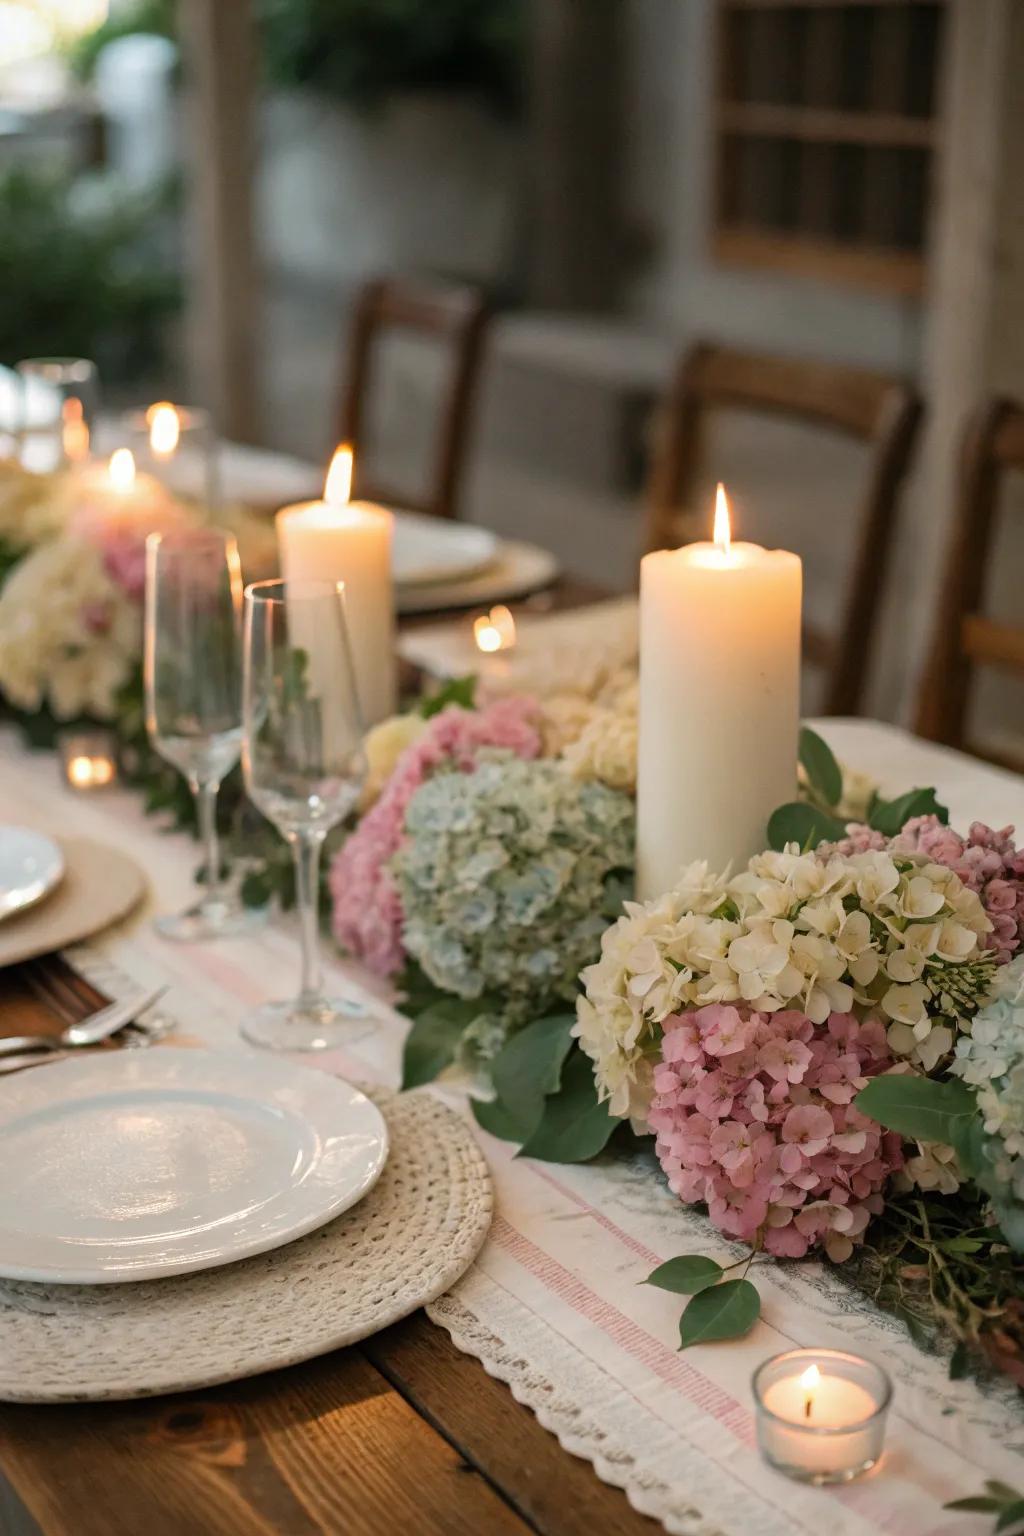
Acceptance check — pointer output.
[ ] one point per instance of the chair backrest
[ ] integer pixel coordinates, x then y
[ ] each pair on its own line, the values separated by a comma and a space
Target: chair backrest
878, 409
457, 318
964, 638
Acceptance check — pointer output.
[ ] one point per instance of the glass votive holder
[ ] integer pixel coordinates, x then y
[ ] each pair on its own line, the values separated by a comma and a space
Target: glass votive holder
177, 445
821, 1414
57, 412
88, 759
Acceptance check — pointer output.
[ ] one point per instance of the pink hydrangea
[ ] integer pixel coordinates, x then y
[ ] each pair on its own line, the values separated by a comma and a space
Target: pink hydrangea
986, 860
754, 1116
367, 914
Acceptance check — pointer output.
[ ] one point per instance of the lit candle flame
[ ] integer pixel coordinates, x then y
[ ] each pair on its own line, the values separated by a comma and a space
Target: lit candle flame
122, 470
809, 1381
164, 428
338, 485
85, 772
495, 631
723, 532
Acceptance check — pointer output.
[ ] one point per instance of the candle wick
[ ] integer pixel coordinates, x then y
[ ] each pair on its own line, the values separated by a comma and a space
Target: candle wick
807, 1407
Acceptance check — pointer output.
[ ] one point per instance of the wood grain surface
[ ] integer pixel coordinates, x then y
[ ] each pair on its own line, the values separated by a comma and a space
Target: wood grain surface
401, 1434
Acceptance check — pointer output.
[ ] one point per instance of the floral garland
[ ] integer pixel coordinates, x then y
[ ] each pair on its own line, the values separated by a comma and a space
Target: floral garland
764, 1031
824, 1049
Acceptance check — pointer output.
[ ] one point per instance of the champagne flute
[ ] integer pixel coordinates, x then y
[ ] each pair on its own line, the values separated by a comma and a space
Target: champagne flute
304, 765
193, 657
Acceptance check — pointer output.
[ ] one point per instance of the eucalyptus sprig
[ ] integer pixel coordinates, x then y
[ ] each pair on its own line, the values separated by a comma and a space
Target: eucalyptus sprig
816, 818
718, 1308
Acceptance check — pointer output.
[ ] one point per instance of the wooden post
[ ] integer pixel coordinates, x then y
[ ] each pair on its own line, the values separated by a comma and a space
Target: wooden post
575, 77
223, 319
974, 333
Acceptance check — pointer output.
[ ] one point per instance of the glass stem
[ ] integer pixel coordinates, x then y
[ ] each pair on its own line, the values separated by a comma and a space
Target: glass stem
206, 808
306, 850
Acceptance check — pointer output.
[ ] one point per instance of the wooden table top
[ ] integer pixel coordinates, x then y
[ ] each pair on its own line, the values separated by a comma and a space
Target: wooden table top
399, 1433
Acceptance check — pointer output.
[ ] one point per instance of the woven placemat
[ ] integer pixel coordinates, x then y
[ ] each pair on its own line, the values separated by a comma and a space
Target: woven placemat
412, 1237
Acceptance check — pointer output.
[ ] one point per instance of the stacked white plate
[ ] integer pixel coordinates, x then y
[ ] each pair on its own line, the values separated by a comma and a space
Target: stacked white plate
438, 564
31, 866
138, 1164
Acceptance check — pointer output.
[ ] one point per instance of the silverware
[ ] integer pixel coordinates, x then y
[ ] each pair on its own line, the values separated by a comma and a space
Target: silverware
93, 1030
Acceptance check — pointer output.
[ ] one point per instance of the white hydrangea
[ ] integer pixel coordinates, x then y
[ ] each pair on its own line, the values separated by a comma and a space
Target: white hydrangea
894, 936
32, 507
69, 636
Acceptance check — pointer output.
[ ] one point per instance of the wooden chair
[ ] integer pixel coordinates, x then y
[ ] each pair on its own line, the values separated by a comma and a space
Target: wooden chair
456, 317
964, 638
881, 411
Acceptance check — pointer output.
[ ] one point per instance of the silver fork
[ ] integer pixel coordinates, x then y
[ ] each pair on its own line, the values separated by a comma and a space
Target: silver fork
62, 997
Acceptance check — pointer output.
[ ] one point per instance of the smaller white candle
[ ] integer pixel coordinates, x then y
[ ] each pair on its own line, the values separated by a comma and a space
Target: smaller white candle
821, 1414
346, 541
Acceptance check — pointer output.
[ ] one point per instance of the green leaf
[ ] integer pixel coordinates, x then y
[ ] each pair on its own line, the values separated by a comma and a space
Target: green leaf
458, 690
416, 990
725, 1311
529, 1065
975, 1506
498, 1120
958, 1362
824, 773
804, 824
434, 1038
1001, 1491
890, 816
686, 1276
918, 1107
574, 1127
1012, 1515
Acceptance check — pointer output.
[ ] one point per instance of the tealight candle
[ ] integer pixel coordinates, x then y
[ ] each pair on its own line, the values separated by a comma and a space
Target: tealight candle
88, 759
821, 1414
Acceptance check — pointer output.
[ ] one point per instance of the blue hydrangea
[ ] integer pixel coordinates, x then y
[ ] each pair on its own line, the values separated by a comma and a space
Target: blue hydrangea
502, 877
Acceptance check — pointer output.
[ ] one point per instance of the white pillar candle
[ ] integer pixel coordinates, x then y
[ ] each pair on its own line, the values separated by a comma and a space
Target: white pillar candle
719, 702
349, 541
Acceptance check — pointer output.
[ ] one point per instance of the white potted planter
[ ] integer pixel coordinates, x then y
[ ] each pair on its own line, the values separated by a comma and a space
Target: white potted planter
428, 181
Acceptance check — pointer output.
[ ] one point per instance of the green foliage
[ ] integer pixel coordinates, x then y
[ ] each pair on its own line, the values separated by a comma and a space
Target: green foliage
78, 279
687, 1275
364, 51
814, 818
823, 772
919, 1107
890, 816
1002, 1501
458, 690
725, 1311
434, 1038
574, 1126
152, 16
526, 1069
529, 1068
799, 822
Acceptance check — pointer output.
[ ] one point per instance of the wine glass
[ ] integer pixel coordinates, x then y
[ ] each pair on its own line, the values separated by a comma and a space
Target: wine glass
304, 765
193, 667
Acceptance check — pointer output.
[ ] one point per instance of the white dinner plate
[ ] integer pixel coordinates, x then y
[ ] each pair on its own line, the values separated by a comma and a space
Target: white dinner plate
130, 1165
432, 549
517, 571
31, 865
